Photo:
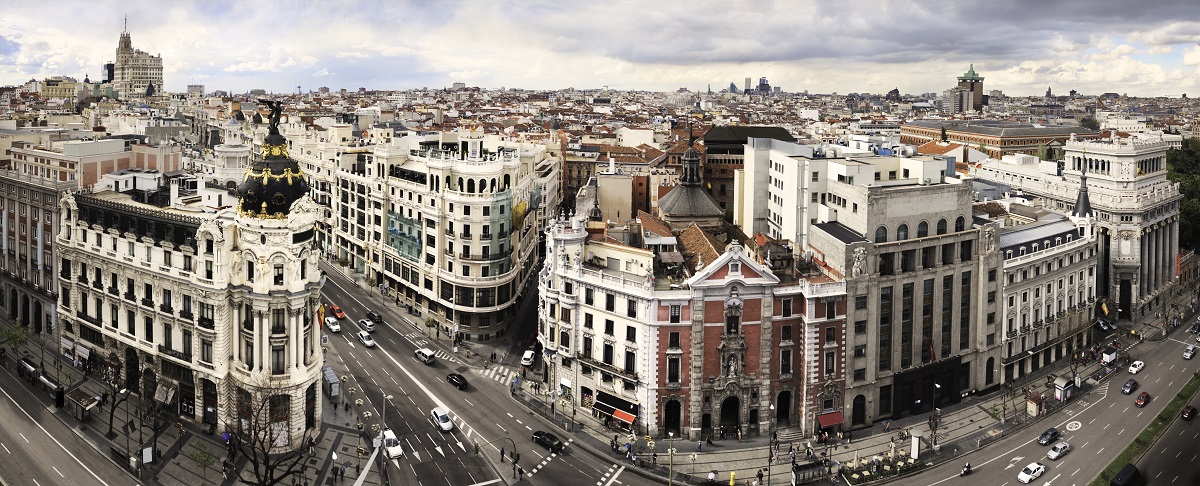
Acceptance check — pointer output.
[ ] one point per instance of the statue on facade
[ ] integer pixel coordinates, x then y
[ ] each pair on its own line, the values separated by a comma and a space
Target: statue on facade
860, 261
732, 365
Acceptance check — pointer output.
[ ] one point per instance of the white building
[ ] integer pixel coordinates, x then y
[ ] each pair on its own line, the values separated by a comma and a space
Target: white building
136, 70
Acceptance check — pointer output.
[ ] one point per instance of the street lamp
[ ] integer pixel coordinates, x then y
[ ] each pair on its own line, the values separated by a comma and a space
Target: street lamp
671, 458
384, 414
770, 433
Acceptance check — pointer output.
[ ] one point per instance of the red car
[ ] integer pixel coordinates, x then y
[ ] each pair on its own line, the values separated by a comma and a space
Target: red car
337, 312
1188, 412
1142, 399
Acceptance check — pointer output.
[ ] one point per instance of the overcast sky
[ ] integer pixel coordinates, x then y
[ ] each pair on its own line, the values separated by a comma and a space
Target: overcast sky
1143, 48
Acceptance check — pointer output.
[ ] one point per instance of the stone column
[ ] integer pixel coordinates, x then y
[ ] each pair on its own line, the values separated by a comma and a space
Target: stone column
1174, 245
1143, 265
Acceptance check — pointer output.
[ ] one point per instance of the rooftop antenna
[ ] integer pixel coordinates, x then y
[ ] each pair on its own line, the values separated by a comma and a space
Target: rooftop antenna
126, 23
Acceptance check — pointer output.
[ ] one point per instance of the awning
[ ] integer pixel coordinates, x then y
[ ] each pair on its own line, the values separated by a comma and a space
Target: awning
623, 416
670, 257
82, 351
830, 419
85, 400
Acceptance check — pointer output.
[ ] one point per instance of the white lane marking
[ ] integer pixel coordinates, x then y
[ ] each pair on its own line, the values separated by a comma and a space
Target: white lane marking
30, 417
60, 474
6, 448
23, 437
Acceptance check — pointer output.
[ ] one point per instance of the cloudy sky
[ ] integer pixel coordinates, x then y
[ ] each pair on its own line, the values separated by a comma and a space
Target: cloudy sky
1144, 48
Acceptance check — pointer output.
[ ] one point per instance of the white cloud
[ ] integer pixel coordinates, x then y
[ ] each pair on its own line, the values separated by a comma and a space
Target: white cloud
321, 73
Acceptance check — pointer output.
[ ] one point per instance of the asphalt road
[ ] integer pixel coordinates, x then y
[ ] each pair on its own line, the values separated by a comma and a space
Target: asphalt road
1097, 426
483, 413
38, 449
1175, 459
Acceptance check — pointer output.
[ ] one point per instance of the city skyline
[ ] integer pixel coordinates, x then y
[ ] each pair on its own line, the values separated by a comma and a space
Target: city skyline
1021, 48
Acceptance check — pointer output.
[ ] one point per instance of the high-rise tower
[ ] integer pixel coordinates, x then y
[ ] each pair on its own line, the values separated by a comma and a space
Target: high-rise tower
136, 72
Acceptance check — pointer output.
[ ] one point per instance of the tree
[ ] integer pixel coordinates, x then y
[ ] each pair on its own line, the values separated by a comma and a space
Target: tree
203, 457
259, 423
1090, 123
944, 137
14, 336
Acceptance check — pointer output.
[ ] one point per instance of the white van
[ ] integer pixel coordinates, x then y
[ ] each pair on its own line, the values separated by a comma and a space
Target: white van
424, 355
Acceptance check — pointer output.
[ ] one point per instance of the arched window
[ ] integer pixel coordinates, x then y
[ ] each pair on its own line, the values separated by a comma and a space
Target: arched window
902, 232
941, 226
922, 229
881, 235
959, 224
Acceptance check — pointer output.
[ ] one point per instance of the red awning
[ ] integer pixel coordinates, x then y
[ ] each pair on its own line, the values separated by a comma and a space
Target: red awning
830, 419
623, 416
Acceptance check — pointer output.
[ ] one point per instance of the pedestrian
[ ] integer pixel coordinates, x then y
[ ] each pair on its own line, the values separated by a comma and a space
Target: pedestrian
501, 455
654, 459
708, 439
699, 445
722, 432
739, 431
224, 469
887, 425
791, 448
848, 440
760, 476
312, 446
839, 435
520, 473
342, 473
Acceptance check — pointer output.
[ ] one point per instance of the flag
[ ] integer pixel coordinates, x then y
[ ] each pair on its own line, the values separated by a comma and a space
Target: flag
1104, 307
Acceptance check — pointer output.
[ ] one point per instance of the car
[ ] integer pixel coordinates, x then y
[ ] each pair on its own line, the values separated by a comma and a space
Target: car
367, 325
1189, 352
337, 312
1058, 450
1130, 386
547, 440
1031, 472
374, 317
441, 418
364, 337
1188, 412
1103, 326
1136, 367
1050, 435
391, 445
1142, 399
1195, 328
527, 358
457, 380
332, 324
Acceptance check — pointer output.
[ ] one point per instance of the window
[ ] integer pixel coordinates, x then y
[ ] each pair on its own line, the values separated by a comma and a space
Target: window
675, 310
587, 320
608, 327
992, 297
148, 326
830, 334
860, 326
630, 362
631, 334
860, 302
902, 232
607, 357
787, 307
959, 224
922, 229
941, 226
278, 274
785, 332
610, 302
249, 271
248, 353
673, 369
829, 361
588, 297
587, 347
673, 339
785, 361
860, 351
631, 308
277, 361
860, 374
206, 351
881, 235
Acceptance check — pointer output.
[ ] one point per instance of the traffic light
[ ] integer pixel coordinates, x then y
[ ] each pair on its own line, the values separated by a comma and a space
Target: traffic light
362, 451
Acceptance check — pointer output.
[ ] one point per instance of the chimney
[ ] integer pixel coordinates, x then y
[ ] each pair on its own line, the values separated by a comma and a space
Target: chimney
174, 192
612, 165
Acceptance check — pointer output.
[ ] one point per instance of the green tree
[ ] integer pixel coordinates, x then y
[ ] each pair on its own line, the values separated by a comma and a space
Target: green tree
203, 457
14, 337
1090, 123
944, 137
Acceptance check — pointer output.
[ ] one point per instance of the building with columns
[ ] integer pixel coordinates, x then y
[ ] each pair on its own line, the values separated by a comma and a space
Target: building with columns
1135, 206
135, 71
195, 305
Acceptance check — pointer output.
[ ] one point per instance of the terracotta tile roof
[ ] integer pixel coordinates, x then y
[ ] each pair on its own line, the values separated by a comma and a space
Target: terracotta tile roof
653, 224
992, 209
697, 243
935, 147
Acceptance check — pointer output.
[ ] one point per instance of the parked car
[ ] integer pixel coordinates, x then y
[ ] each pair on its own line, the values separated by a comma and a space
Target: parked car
1130, 386
527, 358
1188, 412
1031, 472
337, 312
364, 337
1050, 435
1058, 450
1189, 352
547, 440
391, 445
441, 418
1142, 399
332, 324
367, 325
1136, 367
457, 380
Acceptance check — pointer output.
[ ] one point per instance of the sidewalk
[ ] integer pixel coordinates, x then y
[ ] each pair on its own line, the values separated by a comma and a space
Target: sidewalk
179, 442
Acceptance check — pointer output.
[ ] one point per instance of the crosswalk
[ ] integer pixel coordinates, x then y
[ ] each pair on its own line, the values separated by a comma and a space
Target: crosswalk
421, 340
498, 373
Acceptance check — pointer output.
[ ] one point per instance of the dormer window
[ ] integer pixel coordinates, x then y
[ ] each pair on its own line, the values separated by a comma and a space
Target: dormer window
735, 267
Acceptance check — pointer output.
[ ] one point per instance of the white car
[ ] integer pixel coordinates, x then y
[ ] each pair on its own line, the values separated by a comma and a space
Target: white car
364, 337
391, 445
1136, 367
440, 417
1189, 352
1060, 449
1031, 472
332, 324
527, 358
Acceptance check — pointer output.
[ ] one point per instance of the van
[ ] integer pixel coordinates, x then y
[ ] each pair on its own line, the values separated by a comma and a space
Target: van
424, 355
1128, 476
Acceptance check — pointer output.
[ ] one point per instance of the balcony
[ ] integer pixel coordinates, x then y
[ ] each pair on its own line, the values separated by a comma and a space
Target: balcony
487, 236
179, 355
81, 278
66, 274
114, 291
204, 322
130, 297
465, 235
166, 308
148, 303
98, 285
185, 314
626, 374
